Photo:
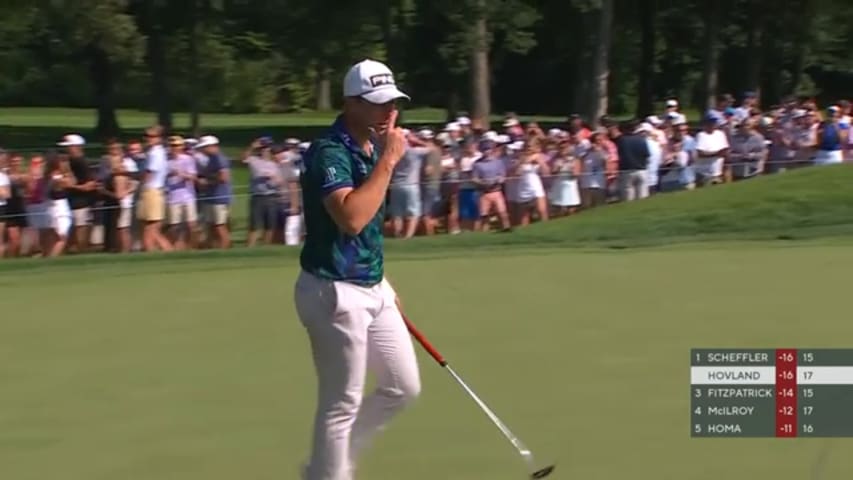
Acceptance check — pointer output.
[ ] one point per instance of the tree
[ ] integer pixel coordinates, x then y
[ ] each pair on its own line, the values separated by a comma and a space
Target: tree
711, 53
600, 71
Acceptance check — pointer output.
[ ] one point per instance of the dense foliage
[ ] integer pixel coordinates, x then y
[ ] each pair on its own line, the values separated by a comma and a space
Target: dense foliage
543, 56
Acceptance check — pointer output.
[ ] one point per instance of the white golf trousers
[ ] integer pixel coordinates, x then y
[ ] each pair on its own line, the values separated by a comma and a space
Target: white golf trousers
352, 330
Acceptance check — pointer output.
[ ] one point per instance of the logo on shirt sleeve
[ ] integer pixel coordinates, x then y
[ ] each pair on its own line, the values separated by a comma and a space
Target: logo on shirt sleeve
331, 175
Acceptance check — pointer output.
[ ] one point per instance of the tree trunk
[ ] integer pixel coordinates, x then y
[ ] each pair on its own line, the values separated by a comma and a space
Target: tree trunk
710, 71
193, 54
804, 37
581, 78
480, 87
600, 71
645, 95
103, 81
754, 49
157, 65
324, 88
452, 106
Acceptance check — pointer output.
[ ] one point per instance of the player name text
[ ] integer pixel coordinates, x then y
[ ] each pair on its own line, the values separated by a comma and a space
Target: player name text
737, 357
733, 375
744, 392
731, 411
723, 428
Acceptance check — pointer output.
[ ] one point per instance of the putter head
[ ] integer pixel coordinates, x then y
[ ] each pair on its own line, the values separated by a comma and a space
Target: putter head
543, 472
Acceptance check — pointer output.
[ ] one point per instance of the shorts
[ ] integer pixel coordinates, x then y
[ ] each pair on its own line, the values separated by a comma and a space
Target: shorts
431, 202
151, 206
469, 204
185, 212
15, 218
405, 201
125, 217
3, 214
60, 217
37, 216
216, 213
263, 212
82, 216
492, 202
293, 230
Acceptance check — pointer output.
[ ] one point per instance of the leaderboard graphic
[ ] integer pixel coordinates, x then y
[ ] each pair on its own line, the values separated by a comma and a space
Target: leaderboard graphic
785, 393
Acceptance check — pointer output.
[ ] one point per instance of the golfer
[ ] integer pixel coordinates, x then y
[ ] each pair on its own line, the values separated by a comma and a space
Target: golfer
343, 299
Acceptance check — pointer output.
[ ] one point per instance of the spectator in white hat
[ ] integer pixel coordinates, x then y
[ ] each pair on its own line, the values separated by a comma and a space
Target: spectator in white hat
465, 125
672, 114
215, 182
655, 155
82, 194
530, 168
469, 196
151, 207
431, 172
633, 162
289, 221
404, 196
712, 149
512, 127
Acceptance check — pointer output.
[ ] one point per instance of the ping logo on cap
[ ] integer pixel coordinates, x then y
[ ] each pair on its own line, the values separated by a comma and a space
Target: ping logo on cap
381, 79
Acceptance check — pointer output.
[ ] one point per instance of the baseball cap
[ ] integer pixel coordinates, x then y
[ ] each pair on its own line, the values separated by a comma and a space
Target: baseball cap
510, 122
291, 141
452, 127
653, 120
644, 127
176, 141
463, 121
672, 103
206, 141
372, 81
71, 140
304, 146
426, 134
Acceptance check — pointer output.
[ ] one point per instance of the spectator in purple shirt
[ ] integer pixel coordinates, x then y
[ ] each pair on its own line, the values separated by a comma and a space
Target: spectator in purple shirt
488, 174
180, 195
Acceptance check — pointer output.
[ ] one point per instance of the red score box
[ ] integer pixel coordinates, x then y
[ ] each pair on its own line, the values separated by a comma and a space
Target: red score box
786, 393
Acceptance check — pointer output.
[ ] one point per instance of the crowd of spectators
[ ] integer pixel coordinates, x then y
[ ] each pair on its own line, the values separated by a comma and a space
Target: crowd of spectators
174, 193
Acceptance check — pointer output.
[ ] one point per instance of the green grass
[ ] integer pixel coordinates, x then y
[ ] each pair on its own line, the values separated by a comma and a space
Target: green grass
36, 128
194, 366
201, 370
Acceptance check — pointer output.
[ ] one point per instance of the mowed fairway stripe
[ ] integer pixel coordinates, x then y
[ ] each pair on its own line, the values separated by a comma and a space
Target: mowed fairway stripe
206, 374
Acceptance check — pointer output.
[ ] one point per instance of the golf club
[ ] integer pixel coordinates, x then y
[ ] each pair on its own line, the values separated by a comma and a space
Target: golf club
526, 454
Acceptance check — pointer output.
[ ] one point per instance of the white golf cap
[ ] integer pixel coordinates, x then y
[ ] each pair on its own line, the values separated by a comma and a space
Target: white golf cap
672, 103
452, 127
510, 122
503, 139
644, 127
518, 145
491, 135
554, 132
291, 141
372, 81
206, 141
464, 121
653, 120
426, 134
72, 140
304, 146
